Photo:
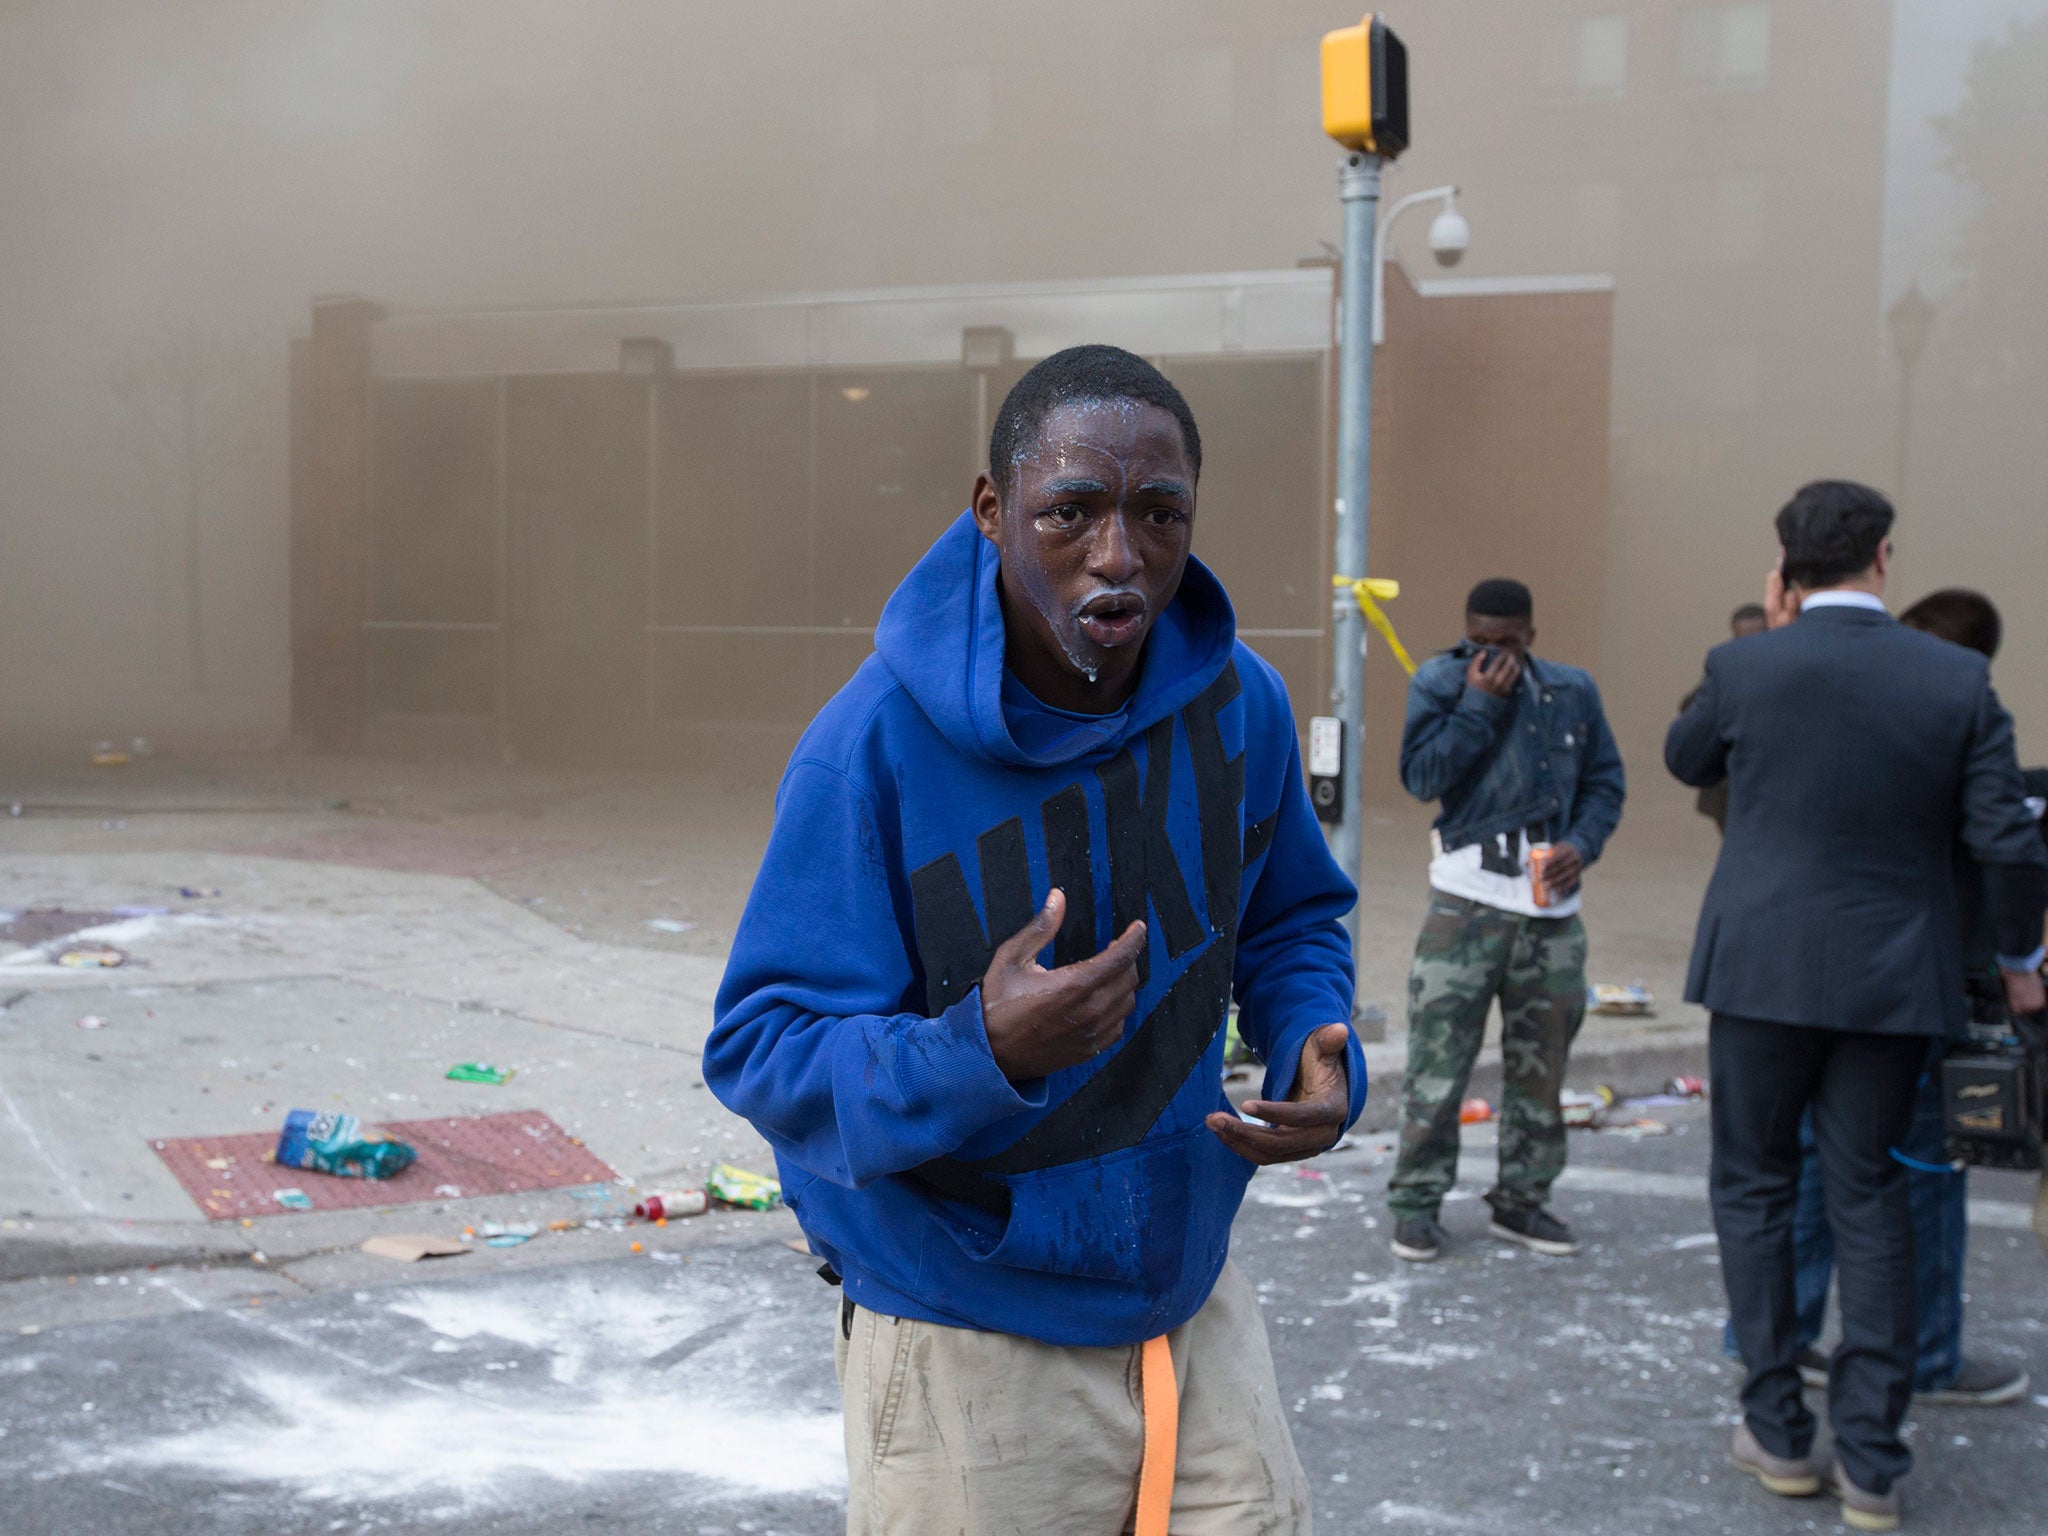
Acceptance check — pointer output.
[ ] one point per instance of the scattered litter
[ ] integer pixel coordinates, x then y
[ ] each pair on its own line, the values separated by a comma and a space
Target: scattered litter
737, 1186
194, 893
14, 808
292, 1199
1585, 1111
1632, 1000
1637, 1129
664, 1203
1659, 1101
669, 925
219, 1164
563, 1224
1686, 1087
448, 1191
133, 911
797, 1245
327, 1142
92, 956
1474, 1112
479, 1072
91, 1021
411, 1247
507, 1234
109, 759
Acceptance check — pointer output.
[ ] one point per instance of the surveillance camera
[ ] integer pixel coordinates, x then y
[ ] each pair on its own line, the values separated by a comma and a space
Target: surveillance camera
1449, 235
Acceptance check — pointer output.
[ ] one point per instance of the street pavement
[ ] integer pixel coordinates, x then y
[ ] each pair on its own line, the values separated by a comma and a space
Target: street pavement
688, 1388
337, 933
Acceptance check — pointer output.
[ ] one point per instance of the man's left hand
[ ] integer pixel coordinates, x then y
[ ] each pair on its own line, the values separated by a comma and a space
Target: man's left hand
1561, 875
1312, 1118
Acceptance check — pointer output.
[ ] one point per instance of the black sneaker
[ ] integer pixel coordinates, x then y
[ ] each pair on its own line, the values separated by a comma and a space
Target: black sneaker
1418, 1239
1813, 1367
1980, 1384
1536, 1230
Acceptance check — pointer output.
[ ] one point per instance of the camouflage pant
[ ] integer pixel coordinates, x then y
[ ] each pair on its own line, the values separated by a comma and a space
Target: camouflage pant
1469, 954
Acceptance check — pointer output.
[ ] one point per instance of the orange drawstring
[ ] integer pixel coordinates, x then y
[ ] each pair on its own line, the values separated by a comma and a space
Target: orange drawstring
1162, 1437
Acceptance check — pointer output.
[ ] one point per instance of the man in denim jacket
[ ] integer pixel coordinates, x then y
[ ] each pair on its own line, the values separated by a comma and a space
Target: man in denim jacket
1518, 751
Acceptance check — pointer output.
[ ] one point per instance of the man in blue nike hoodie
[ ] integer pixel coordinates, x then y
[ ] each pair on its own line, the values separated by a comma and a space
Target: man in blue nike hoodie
1021, 864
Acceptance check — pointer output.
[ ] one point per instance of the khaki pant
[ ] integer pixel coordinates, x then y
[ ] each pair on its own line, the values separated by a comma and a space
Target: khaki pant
951, 1432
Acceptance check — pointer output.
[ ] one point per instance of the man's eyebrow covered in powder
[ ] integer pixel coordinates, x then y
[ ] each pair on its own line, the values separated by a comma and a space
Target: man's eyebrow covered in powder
1082, 486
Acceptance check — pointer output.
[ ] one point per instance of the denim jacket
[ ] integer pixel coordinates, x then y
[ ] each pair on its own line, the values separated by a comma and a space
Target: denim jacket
1542, 759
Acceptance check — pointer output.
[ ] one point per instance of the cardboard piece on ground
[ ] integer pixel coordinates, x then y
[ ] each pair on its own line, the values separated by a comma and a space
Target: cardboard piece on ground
797, 1244
410, 1247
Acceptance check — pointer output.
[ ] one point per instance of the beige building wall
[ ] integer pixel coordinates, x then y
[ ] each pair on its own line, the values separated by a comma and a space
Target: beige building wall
223, 160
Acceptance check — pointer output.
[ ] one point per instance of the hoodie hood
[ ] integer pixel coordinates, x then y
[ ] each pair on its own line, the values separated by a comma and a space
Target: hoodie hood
942, 636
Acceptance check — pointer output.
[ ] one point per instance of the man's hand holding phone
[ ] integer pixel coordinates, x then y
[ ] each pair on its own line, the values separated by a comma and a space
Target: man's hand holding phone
1494, 669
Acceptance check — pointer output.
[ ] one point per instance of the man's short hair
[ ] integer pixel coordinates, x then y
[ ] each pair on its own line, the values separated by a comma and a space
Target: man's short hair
1500, 597
1959, 616
1075, 376
1832, 530
1748, 613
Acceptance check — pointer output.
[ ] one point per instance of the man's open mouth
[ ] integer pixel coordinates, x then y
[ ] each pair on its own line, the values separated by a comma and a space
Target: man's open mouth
1112, 618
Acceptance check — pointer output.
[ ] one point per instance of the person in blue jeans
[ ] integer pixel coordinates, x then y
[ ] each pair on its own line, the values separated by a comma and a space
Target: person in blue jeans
1942, 1373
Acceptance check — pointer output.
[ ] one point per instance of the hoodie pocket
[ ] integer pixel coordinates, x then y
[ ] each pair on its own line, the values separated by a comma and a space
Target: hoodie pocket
1140, 1215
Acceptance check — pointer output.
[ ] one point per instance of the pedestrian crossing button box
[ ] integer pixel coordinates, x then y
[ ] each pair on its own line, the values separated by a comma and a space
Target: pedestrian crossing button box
1326, 766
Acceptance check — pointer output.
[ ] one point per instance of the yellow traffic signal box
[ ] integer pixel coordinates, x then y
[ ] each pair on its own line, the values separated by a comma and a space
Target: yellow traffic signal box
1365, 88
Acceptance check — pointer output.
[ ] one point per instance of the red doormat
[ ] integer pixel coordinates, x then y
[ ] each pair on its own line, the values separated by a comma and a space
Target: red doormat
503, 1154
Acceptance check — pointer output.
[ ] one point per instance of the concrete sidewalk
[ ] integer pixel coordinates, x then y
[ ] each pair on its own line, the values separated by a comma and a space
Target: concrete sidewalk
322, 986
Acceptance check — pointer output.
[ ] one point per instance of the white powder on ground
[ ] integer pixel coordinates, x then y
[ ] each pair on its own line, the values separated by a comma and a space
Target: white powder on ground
592, 1407
331, 1440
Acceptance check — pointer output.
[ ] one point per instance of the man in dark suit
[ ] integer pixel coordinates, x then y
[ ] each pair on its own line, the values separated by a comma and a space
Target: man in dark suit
1858, 753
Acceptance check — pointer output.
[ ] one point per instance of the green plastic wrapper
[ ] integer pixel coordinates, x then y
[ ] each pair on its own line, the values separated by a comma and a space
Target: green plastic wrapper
478, 1072
736, 1186
333, 1143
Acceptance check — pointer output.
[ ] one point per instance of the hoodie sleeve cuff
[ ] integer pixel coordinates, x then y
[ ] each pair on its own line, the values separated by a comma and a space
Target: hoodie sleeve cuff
963, 1075
1286, 1066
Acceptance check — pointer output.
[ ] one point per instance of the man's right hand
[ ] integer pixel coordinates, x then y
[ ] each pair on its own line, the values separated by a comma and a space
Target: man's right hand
1494, 670
1038, 1020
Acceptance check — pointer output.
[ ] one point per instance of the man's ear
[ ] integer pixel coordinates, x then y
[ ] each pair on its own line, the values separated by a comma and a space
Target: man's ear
987, 507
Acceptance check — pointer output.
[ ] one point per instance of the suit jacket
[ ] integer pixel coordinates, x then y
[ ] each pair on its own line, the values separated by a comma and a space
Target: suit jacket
1858, 754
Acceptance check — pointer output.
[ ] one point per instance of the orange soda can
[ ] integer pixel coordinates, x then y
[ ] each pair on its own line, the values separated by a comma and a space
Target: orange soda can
1539, 861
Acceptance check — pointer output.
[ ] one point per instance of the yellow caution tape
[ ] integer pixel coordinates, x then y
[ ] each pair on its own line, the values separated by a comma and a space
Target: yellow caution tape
1370, 592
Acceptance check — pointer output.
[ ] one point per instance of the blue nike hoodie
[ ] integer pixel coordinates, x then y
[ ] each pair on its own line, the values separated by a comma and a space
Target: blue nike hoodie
923, 819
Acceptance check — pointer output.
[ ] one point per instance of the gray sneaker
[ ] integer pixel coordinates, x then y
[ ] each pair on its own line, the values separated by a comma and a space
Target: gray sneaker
1537, 1230
1418, 1239
1980, 1384
1861, 1509
1788, 1477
